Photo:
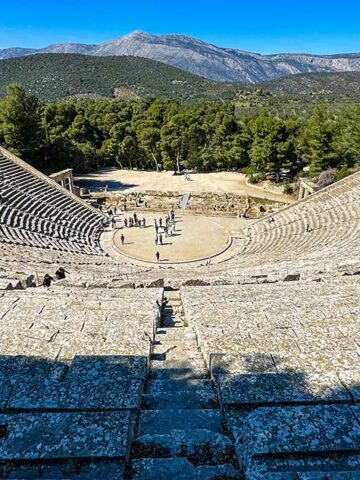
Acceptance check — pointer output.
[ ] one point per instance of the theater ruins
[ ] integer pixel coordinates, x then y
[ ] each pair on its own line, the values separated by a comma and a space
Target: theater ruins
234, 355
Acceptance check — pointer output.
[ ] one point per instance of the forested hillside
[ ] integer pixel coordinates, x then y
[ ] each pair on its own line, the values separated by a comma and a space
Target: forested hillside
154, 134
53, 77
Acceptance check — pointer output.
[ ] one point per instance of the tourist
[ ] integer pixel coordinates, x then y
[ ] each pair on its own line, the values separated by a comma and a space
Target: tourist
47, 280
60, 273
125, 222
157, 256
122, 239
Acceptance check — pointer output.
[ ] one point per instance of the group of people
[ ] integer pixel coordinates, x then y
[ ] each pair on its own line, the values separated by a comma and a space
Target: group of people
60, 274
134, 221
164, 228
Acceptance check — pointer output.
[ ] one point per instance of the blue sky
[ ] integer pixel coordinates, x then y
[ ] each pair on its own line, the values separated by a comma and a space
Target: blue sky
271, 26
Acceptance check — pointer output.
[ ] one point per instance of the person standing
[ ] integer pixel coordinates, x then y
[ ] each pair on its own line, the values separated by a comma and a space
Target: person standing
157, 256
125, 222
161, 239
156, 240
47, 280
122, 239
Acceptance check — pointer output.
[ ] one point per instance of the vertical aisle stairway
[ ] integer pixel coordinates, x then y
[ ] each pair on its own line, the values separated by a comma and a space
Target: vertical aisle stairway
180, 431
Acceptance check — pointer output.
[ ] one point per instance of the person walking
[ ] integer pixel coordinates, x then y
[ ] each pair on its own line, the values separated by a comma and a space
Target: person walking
161, 239
122, 239
60, 273
156, 240
47, 280
157, 256
125, 222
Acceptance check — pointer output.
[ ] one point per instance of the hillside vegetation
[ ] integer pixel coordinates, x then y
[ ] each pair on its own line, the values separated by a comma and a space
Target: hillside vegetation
54, 77
330, 86
155, 134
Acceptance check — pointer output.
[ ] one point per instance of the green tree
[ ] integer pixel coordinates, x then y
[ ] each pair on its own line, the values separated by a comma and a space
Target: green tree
316, 141
21, 126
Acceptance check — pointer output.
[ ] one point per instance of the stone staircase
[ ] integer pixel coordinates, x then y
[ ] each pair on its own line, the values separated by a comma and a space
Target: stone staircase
180, 432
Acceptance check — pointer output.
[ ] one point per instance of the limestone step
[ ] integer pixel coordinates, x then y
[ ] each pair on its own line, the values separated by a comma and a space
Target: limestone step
154, 386
175, 333
163, 421
167, 394
200, 447
175, 352
177, 373
179, 469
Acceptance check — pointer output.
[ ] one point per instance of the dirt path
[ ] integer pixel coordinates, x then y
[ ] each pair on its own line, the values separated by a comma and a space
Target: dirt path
220, 182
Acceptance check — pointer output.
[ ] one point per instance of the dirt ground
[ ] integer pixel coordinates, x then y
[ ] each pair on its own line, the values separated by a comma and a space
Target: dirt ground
195, 238
133, 180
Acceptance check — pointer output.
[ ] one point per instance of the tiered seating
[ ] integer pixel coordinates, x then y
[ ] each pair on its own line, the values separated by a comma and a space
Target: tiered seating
37, 212
315, 232
72, 370
286, 360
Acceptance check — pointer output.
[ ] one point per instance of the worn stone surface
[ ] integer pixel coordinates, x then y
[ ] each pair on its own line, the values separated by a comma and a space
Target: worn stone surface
106, 392
160, 468
201, 447
68, 470
327, 428
163, 421
280, 388
64, 435
166, 394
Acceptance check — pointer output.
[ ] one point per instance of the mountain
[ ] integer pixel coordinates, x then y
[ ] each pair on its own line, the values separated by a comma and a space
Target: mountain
79, 48
16, 52
57, 76
204, 59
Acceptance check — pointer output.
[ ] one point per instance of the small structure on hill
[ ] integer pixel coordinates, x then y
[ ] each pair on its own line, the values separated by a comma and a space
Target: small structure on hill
65, 178
306, 188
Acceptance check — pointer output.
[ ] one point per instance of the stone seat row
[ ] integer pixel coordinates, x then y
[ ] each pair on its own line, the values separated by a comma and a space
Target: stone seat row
19, 236
19, 219
35, 203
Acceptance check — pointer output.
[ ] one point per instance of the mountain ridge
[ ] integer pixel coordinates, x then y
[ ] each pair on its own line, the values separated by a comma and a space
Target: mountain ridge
204, 59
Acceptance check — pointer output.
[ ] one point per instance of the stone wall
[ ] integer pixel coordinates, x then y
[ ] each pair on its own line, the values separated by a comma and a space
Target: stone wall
224, 204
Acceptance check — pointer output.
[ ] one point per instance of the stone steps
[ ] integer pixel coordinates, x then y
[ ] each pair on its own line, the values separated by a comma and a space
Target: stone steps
180, 433
179, 469
200, 447
163, 421
177, 373
167, 393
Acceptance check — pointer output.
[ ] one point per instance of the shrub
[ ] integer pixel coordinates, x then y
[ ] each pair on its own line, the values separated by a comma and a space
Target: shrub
326, 178
342, 173
288, 189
